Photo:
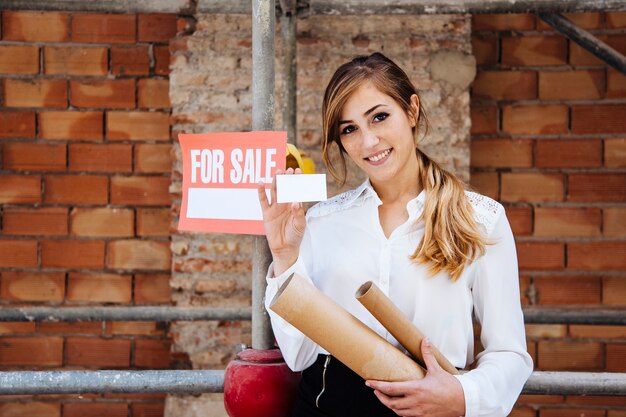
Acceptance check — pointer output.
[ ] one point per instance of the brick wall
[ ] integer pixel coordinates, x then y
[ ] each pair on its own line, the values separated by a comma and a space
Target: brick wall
85, 140
548, 140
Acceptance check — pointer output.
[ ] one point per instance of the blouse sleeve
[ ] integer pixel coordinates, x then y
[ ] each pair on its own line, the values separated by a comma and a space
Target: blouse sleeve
504, 366
298, 350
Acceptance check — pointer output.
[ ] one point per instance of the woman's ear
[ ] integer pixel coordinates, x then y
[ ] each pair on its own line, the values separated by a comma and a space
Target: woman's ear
415, 110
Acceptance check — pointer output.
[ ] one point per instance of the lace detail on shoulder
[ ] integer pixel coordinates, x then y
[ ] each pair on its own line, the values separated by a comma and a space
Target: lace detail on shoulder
486, 210
337, 203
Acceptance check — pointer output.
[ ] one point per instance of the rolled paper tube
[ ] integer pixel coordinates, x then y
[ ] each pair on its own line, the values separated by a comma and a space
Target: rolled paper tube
392, 318
341, 334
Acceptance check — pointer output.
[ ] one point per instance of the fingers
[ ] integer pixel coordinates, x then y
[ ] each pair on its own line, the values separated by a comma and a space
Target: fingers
391, 389
429, 358
273, 187
262, 196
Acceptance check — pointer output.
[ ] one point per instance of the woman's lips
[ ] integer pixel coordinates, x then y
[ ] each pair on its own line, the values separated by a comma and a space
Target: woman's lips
379, 157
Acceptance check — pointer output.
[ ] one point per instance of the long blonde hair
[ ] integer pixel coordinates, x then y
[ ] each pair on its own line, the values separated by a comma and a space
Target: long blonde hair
452, 238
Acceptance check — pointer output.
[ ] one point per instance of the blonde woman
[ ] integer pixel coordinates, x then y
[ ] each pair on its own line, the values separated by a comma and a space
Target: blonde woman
441, 254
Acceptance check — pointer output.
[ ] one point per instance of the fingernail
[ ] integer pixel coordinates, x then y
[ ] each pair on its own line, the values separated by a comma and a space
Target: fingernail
427, 341
368, 384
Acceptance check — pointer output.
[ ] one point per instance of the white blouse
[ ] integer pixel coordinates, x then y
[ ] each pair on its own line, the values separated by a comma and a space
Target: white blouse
344, 246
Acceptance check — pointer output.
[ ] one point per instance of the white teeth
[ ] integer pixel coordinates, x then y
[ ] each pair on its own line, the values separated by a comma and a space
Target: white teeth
380, 156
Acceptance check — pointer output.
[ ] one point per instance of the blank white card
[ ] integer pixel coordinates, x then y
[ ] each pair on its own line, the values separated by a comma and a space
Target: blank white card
301, 188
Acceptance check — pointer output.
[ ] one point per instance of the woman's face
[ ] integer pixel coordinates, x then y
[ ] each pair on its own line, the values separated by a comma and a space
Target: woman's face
378, 135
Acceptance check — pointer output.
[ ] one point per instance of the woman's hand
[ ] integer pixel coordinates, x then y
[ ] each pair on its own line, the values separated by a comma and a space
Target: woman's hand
284, 226
439, 394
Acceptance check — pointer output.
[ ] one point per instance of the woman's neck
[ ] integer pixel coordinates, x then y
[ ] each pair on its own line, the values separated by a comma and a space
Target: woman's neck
401, 189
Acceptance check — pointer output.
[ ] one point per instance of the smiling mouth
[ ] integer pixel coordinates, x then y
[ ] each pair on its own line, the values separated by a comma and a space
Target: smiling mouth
379, 156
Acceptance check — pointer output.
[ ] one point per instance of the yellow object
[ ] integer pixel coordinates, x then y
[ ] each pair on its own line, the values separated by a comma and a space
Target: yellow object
298, 159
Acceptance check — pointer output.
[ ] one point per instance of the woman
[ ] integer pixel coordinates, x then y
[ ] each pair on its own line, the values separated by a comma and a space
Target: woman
439, 252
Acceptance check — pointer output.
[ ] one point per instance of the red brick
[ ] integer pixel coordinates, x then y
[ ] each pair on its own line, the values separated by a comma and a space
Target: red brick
503, 21
139, 254
521, 220
31, 351
569, 290
152, 354
560, 222
34, 157
67, 125
594, 331
138, 126
614, 221
580, 56
154, 93
597, 255
597, 187
18, 254
505, 85
132, 60
615, 153
20, 189
70, 328
35, 26
17, 124
484, 119
486, 183
35, 409
485, 49
541, 255
103, 28
157, 27
94, 409
153, 222
162, 60
74, 60
153, 159
534, 50
589, 20
571, 85
87, 351
110, 94
72, 254
616, 358
152, 289
570, 356
115, 158
540, 399
573, 412
144, 328
597, 400
532, 187
543, 331
16, 327
615, 19
563, 153
75, 189
529, 120
141, 191
148, 409
492, 153
616, 413
99, 288
19, 59
615, 84
33, 286
35, 93
523, 412
614, 291
42, 221
607, 118
102, 222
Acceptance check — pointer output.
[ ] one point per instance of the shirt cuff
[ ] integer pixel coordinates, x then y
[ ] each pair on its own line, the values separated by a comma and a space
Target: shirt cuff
471, 393
274, 283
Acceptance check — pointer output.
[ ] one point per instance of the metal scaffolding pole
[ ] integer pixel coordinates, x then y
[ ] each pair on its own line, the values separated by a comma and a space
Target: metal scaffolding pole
263, 27
288, 22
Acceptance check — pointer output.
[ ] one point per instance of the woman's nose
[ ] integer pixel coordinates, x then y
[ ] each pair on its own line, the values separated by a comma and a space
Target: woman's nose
369, 137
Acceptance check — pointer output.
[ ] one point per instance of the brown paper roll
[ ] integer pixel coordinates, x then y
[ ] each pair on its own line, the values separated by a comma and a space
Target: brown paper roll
340, 333
398, 324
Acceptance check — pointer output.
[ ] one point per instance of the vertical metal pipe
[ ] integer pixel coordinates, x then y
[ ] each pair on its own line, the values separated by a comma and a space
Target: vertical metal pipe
288, 28
263, 27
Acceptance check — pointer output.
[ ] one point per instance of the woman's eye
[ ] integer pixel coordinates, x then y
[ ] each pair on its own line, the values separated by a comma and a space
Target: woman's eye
347, 130
380, 117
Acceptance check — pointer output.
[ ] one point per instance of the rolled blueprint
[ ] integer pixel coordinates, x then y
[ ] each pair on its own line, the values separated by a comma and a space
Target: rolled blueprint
341, 334
392, 319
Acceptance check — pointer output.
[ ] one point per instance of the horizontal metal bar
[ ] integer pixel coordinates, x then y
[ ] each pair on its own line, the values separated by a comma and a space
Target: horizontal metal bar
538, 315
196, 382
100, 382
412, 7
162, 313
586, 40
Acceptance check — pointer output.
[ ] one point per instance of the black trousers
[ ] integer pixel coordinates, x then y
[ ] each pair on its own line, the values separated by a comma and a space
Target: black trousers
345, 393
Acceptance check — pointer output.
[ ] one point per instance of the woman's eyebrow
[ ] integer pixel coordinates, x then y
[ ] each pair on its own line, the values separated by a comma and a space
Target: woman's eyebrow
364, 114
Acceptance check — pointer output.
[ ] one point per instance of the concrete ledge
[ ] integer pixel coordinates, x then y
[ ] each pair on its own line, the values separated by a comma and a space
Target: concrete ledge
121, 6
